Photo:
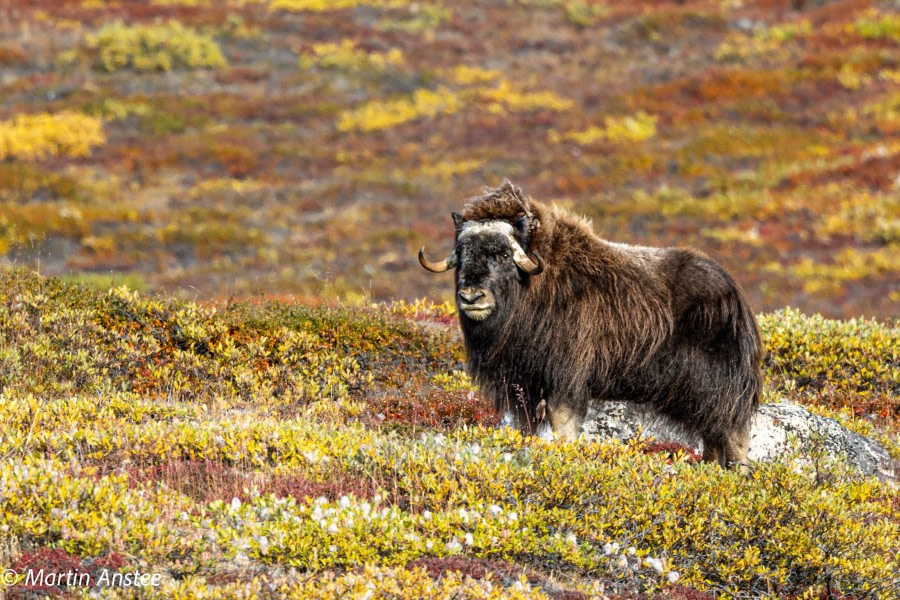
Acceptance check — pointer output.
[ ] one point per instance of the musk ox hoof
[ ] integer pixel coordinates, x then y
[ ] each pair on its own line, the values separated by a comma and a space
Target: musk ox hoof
741, 467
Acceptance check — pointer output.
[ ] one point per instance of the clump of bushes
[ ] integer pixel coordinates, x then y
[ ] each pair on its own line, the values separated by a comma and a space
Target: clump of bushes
66, 133
347, 56
154, 47
637, 128
377, 115
854, 363
876, 25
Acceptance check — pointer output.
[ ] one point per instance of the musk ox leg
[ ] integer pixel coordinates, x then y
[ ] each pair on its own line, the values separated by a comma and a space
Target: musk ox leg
566, 422
735, 447
712, 452
730, 452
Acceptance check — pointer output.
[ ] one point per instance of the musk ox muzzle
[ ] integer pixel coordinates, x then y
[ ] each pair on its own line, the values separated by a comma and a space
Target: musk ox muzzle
477, 303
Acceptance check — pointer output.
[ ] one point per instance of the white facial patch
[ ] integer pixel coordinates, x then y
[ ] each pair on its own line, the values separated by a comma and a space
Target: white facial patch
480, 227
501, 227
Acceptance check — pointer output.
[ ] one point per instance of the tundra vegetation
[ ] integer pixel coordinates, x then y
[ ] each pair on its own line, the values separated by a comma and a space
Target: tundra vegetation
306, 148
220, 147
272, 449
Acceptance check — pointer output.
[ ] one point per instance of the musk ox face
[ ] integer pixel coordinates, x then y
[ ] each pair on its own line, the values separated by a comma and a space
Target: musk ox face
491, 264
486, 274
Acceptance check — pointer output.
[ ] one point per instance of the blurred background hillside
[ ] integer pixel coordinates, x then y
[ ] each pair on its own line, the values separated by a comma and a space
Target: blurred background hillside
304, 148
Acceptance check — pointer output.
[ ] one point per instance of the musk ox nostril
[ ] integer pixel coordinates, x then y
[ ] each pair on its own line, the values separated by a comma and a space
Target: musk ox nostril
471, 295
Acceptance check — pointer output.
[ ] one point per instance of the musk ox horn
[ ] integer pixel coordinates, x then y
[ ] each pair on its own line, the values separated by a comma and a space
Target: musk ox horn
437, 267
523, 262
538, 268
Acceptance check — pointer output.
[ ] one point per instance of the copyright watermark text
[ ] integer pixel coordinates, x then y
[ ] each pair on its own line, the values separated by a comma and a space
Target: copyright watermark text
47, 578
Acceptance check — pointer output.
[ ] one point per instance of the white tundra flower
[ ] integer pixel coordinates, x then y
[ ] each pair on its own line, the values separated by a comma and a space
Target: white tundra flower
672, 576
470, 540
235, 504
655, 564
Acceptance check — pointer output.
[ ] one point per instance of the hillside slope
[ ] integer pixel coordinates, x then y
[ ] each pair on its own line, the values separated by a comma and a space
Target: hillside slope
265, 450
220, 147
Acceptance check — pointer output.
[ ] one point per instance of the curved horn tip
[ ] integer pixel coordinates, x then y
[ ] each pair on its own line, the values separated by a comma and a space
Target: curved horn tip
435, 267
523, 261
539, 267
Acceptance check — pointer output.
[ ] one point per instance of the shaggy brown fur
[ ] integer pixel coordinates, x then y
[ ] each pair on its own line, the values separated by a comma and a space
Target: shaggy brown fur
604, 321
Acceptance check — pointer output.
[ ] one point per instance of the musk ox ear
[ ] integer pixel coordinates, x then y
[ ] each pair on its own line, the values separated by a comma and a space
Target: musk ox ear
457, 221
525, 227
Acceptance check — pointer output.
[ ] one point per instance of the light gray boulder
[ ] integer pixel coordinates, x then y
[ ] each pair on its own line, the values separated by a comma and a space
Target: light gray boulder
774, 427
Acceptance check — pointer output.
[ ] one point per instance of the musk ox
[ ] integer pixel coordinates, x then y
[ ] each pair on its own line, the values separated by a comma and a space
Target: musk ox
555, 317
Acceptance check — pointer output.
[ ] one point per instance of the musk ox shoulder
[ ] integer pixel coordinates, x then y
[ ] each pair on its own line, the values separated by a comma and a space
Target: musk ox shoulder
554, 318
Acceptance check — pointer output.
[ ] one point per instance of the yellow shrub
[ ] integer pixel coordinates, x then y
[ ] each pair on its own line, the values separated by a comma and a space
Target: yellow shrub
347, 56
637, 128
325, 5
868, 217
181, 2
423, 309
454, 381
503, 97
31, 137
849, 265
877, 25
158, 47
383, 115
446, 169
466, 75
631, 129
372, 582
